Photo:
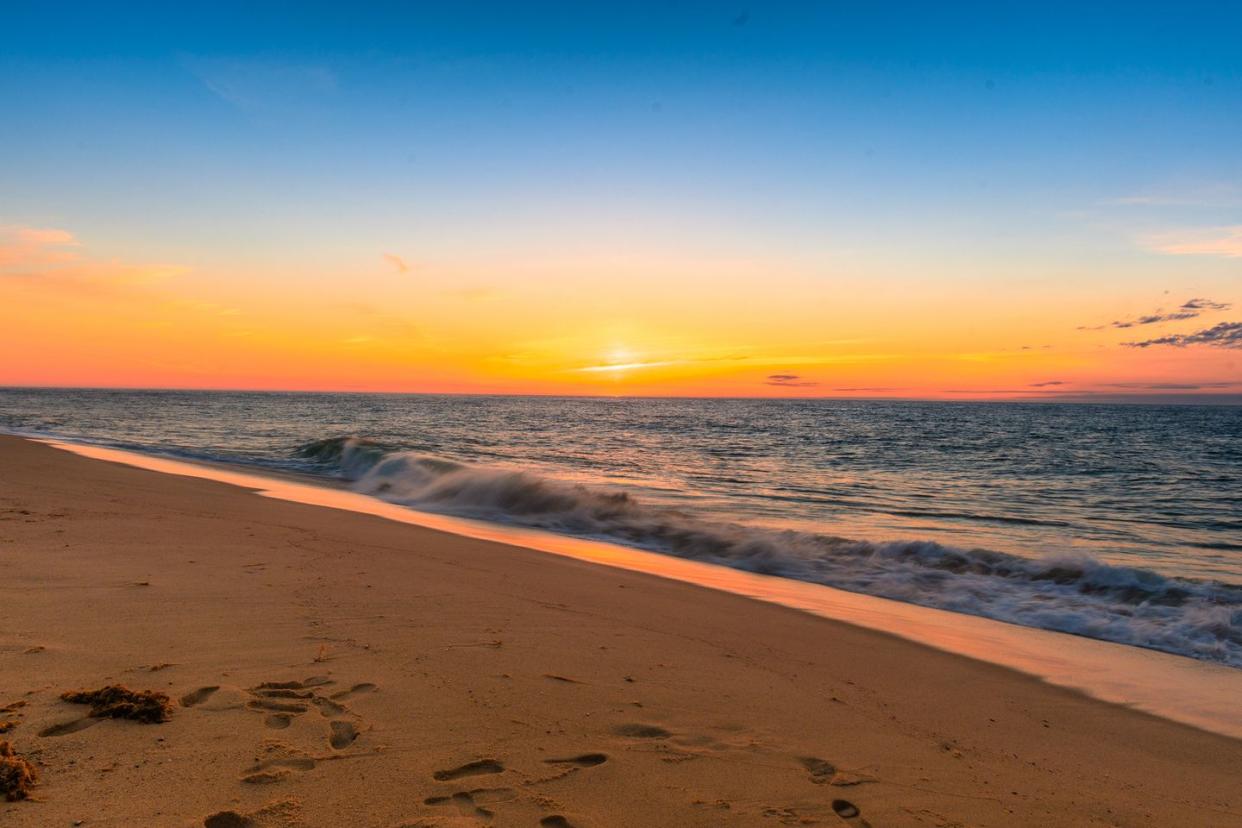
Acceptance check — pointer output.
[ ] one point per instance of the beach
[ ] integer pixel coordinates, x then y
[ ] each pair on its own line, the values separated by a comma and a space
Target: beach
334, 668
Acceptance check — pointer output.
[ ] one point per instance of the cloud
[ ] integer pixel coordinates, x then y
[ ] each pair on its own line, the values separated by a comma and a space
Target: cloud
1144, 201
44, 236
1048, 383
1156, 318
789, 381
48, 257
1203, 194
1172, 386
396, 261
1189, 309
385, 323
986, 391
1224, 335
875, 389
616, 367
263, 85
1216, 241
23, 246
1205, 304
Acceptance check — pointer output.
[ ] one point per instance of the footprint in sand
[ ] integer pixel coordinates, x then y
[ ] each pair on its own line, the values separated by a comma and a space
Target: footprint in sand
343, 734
283, 693
822, 771
476, 768
277, 706
555, 821
586, 760
285, 699
69, 727
471, 803
313, 681
570, 765
317, 681
280, 812
199, 696
642, 731
356, 690
849, 812
265, 777
282, 701
274, 770
328, 707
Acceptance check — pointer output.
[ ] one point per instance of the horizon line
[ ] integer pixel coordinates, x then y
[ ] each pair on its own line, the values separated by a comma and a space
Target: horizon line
1204, 398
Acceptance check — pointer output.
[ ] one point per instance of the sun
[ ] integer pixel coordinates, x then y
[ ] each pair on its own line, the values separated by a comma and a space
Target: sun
620, 356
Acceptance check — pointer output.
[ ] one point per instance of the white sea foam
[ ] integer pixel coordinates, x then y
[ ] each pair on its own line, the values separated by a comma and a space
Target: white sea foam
1072, 594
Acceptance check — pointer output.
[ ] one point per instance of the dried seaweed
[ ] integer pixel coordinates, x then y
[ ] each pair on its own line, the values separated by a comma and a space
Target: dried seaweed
17, 776
117, 702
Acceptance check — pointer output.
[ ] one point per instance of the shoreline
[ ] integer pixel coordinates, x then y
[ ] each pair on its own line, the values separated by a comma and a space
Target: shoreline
1179, 688
473, 681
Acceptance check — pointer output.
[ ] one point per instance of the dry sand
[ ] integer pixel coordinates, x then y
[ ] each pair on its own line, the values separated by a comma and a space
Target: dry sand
337, 669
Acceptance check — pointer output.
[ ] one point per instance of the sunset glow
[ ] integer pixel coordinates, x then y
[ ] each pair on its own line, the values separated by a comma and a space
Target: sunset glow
649, 230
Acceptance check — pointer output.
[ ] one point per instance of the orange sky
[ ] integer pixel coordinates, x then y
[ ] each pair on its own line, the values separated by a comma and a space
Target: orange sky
662, 324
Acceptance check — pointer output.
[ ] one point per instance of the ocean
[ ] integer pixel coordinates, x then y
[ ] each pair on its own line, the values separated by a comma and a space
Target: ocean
1117, 522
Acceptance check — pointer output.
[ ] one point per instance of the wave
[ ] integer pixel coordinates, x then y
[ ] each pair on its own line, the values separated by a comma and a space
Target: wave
1072, 593
344, 456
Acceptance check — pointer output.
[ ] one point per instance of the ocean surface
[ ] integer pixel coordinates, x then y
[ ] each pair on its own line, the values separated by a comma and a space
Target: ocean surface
1118, 522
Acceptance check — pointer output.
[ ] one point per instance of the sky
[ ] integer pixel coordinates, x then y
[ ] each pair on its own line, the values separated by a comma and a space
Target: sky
845, 199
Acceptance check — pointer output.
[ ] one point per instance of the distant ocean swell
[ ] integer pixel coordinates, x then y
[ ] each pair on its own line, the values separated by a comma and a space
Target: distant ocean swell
1072, 594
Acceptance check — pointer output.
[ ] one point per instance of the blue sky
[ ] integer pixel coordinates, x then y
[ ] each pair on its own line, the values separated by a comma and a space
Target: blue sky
808, 111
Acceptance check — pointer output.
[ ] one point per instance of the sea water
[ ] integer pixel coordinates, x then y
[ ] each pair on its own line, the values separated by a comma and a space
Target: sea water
1117, 522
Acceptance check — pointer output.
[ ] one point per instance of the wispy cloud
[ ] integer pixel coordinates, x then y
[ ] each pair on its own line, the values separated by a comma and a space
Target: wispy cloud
1205, 304
1154, 319
1225, 242
1189, 309
263, 85
873, 390
987, 391
1224, 335
615, 367
789, 381
1048, 383
1172, 386
51, 258
24, 246
385, 323
1146, 201
396, 261
1217, 192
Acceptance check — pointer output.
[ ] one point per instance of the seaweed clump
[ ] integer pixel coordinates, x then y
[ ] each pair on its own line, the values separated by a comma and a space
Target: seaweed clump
17, 776
6, 723
117, 702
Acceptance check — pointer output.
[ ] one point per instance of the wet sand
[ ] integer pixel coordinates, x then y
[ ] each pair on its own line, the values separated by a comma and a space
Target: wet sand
332, 668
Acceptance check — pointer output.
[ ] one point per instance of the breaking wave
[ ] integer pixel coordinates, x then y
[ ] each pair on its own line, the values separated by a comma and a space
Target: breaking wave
1072, 594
